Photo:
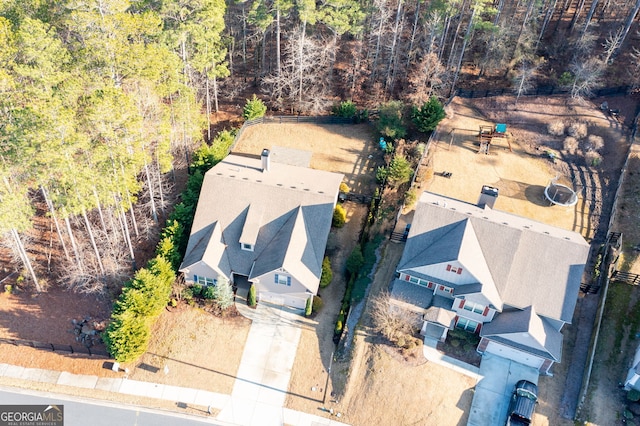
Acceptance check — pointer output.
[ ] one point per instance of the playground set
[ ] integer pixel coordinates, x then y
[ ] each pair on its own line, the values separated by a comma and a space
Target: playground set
492, 134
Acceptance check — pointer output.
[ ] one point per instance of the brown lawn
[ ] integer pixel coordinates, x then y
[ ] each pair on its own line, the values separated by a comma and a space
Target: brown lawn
203, 351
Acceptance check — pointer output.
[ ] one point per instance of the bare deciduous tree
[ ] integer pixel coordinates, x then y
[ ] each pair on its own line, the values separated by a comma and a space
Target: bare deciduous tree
303, 83
611, 45
523, 79
634, 68
392, 320
586, 77
425, 77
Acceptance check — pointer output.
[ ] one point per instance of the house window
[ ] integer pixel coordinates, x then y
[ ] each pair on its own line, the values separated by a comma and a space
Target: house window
454, 269
204, 281
445, 289
476, 308
414, 280
246, 247
282, 280
466, 324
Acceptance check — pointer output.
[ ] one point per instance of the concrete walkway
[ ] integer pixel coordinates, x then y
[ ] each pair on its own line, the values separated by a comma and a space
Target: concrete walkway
263, 377
261, 383
432, 354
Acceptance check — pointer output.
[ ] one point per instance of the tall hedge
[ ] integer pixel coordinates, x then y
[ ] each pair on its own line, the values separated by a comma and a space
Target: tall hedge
127, 336
142, 300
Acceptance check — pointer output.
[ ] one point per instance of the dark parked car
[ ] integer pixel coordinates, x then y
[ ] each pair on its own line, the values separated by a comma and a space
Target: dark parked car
523, 403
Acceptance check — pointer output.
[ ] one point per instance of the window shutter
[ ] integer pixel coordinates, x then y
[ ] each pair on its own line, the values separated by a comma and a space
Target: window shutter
441, 288
448, 267
276, 278
289, 281
486, 311
461, 304
459, 271
478, 327
406, 277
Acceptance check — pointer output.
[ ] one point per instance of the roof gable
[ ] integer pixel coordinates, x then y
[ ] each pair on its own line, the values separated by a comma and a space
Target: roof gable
287, 208
525, 329
530, 263
291, 250
207, 246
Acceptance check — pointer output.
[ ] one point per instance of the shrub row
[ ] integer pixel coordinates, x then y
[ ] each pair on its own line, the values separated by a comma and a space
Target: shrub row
359, 265
140, 303
143, 298
180, 221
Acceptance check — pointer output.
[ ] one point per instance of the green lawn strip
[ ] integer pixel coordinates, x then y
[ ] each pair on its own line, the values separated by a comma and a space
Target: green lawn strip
617, 315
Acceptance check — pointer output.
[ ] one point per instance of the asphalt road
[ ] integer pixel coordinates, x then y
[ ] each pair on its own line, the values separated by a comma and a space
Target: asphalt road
82, 412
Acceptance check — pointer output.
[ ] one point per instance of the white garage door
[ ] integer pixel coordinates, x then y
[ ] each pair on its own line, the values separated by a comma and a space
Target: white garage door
514, 355
283, 299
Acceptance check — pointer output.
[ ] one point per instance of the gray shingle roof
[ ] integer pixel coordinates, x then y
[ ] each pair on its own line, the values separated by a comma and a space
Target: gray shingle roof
411, 293
293, 204
524, 329
208, 247
530, 263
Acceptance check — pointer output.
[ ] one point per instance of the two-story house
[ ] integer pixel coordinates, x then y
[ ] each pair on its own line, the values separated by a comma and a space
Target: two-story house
510, 279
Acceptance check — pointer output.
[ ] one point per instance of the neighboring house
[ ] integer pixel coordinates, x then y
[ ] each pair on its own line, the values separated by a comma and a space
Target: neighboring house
510, 279
264, 222
632, 382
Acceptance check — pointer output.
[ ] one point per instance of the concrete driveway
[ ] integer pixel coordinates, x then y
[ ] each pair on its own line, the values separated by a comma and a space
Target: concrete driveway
265, 368
494, 389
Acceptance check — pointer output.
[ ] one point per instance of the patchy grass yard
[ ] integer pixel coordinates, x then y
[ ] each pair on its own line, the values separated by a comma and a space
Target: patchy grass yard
200, 350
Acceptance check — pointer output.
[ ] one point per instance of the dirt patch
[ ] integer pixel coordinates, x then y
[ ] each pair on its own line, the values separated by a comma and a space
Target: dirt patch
46, 317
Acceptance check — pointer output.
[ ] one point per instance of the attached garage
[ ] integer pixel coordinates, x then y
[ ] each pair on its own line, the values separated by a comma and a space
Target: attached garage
514, 355
283, 299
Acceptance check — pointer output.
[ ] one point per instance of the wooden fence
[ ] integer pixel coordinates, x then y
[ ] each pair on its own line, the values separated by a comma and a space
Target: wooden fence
541, 91
625, 277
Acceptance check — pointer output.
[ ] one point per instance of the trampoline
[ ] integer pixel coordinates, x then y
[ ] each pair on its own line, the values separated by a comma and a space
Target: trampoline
559, 194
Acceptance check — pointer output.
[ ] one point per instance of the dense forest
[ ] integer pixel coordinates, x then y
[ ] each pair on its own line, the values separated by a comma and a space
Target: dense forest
102, 100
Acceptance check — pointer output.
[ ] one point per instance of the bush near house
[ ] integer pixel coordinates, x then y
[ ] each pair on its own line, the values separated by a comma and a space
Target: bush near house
399, 171
391, 122
252, 298
346, 109
339, 216
317, 304
209, 293
308, 309
142, 300
327, 273
355, 260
